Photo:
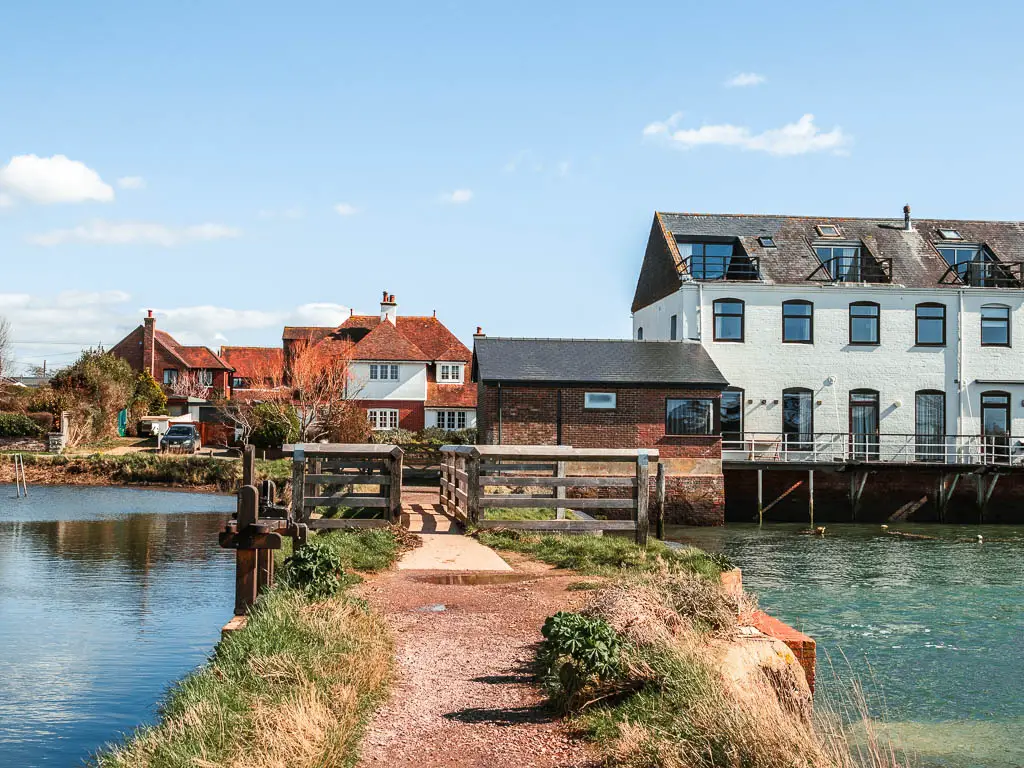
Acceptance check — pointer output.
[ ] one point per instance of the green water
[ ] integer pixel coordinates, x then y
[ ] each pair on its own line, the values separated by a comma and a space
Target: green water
934, 628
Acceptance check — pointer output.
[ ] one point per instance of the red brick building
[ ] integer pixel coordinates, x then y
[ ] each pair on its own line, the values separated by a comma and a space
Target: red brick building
610, 394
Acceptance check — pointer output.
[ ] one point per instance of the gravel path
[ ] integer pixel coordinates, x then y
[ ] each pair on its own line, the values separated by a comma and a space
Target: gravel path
463, 694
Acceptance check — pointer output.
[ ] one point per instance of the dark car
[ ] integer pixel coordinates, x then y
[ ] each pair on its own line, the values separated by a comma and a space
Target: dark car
181, 438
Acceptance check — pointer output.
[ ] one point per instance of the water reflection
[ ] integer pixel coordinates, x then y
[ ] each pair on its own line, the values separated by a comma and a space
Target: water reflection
106, 596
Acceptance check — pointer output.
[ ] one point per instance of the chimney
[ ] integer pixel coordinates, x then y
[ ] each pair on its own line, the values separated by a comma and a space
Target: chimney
479, 332
906, 218
388, 308
148, 342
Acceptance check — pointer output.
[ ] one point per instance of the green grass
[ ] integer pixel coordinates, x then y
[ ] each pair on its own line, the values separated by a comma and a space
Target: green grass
369, 550
524, 513
602, 555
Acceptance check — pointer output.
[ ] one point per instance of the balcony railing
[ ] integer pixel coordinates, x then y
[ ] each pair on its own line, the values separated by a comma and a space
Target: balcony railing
845, 447
722, 267
853, 269
983, 273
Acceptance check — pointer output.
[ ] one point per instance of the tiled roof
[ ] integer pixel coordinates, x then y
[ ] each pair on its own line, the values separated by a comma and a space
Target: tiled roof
300, 332
915, 261
430, 335
450, 395
191, 357
255, 362
594, 361
409, 338
385, 342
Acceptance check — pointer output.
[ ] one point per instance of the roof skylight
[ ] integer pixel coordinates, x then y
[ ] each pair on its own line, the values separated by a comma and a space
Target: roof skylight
950, 234
828, 230
766, 242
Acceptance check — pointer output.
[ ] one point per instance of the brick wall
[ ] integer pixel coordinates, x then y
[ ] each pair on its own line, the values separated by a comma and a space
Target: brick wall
130, 348
411, 414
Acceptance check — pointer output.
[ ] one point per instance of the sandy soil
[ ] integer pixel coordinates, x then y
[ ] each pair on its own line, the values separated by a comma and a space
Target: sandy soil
464, 694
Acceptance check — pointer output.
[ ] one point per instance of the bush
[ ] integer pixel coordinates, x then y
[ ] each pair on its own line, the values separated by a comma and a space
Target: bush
43, 420
316, 569
273, 426
18, 425
578, 656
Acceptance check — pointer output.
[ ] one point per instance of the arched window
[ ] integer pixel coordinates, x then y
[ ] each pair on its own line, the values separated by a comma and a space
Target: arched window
864, 418
797, 322
930, 325
995, 325
865, 317
930, 425
798, 418
640, 333
728, 319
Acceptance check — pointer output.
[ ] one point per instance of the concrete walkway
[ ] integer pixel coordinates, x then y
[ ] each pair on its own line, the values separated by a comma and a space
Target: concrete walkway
444, 547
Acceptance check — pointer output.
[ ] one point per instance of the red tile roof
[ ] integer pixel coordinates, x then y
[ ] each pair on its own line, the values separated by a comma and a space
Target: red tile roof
191, 357
255, 363
428, 334
307, 332
450, 395
386, 342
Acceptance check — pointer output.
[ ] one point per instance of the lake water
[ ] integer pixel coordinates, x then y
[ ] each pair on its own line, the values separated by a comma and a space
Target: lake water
107, 595
936, 626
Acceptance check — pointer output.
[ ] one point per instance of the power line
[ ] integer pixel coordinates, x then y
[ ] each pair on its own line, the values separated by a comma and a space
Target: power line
71, 343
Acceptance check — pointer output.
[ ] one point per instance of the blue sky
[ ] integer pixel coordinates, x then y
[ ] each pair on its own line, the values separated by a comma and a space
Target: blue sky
498, 163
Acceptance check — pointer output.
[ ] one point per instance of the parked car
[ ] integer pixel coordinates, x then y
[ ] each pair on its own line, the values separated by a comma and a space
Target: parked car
181, 438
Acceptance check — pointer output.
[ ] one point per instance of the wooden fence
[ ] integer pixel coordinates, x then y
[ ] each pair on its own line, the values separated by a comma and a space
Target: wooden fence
328, 475
468, 471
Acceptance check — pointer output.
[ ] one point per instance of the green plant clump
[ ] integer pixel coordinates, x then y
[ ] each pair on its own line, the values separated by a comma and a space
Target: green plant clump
316, 569
579, 654
18, 425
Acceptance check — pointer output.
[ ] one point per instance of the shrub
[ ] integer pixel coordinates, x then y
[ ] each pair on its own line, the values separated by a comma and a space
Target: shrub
273, 425
43, 420
17, 425
316, 569
578, 656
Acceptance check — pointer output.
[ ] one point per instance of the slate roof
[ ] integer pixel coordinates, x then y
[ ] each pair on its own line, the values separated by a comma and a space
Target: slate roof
915, 261
595, 361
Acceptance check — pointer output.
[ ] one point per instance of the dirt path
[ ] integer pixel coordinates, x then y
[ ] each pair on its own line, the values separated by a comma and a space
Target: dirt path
463, 694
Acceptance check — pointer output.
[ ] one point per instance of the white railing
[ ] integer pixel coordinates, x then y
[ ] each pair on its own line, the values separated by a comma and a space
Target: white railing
843, 447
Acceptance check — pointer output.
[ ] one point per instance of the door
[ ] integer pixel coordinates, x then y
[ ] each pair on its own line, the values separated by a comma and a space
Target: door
930, 426
864, 425
995, 427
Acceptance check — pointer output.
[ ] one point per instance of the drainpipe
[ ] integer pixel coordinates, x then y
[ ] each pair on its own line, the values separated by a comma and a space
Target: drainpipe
700, 308
558, 417
499, 413
960, 364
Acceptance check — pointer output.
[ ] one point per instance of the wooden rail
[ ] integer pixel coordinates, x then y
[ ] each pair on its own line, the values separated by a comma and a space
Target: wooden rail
468, 471
327, 475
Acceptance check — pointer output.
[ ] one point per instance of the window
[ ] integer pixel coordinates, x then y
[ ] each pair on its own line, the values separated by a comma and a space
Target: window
864, 418
599, 400
170, 376
673, 327
843, 262
690, 416
451, 419
930, 425
798, 419
730, 417
797, 322
949, 234
383, 372
451, 372
640, 333
766, 242
995, 326
708, 261
828, 230
205, 378
995, 426
972, 264
864, 322
383, 418
931, 325
237, 382
728, 319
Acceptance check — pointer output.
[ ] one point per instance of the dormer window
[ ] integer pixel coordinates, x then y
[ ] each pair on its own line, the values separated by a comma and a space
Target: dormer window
843, 262
828, 230
717, 261
450, 373
950, 234
766, 242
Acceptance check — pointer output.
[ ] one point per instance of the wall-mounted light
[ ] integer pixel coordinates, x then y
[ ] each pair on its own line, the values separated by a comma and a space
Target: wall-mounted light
897, 404
830, 381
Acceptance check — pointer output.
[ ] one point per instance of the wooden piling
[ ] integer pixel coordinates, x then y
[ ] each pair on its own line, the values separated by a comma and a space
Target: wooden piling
643, 492
659, 502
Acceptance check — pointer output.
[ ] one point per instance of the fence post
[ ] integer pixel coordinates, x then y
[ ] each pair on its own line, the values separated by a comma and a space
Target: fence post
395, 489
299, 484
643, 476
659, 501
249, 465
560, 490
246, 559
473, 486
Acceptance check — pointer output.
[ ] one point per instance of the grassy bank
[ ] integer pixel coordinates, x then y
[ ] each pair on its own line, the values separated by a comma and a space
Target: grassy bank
202, 472
294, 687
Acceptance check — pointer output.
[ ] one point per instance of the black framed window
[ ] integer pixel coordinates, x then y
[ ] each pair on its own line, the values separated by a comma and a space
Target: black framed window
930, 425
798, 419
640, 333
797, 322
170, 376
864, 422
843, 262
996, 426
728, 319
730, 418
865, 319
995, 325
930, 325
673, 327
690, 416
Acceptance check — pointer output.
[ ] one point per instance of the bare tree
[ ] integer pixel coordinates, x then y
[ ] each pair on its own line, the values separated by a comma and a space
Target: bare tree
320, 379
6, 353
190, 384
241, 410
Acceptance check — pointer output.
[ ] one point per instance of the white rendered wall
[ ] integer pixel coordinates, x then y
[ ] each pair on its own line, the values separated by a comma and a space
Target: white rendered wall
763, 366
411, 384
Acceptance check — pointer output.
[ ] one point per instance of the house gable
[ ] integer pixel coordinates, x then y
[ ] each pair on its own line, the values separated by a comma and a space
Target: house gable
659, 274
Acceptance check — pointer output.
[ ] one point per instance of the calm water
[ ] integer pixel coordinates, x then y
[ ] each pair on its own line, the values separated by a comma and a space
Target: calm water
938, 624
106, 596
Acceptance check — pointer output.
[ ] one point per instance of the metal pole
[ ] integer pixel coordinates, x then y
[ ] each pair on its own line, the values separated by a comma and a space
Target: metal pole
810, 486
760, 498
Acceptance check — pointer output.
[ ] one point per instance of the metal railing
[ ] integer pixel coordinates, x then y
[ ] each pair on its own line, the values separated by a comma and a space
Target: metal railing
853, 269
983, 273
842, 447
722, 267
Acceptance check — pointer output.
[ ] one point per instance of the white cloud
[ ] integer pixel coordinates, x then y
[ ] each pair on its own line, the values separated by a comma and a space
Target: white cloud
346, 209
6, 201
457, 196
744, 80
663, 126
54, 179
134, 233
797, 138
131, 182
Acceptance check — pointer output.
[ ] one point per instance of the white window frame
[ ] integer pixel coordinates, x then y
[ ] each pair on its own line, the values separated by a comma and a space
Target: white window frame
382, 418
598, 401
450, 373
452, 420
205, 377
384, 372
